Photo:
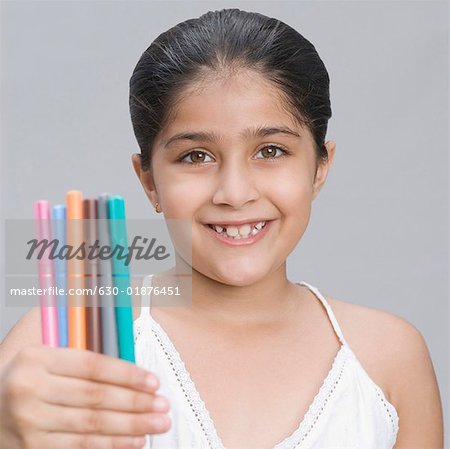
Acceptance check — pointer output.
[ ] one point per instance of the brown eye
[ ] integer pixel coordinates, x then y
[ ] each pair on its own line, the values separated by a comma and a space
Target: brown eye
270, 151
196, 157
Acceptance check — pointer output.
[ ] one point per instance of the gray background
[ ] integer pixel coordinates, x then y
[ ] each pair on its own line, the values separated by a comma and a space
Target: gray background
378, 234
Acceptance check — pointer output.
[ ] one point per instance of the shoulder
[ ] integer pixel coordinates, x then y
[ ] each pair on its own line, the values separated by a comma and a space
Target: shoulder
378, 326
379, 337
395, 355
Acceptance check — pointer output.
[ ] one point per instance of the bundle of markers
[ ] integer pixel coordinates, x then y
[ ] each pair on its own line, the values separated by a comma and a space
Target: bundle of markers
102, 319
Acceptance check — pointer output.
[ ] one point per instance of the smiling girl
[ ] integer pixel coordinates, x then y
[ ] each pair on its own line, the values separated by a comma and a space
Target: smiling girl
230, 111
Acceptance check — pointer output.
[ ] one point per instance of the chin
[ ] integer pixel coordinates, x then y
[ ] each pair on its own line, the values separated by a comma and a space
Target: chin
236, 276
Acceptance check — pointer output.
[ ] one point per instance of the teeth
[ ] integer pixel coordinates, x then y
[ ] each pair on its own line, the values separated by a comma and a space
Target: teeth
244, 231
239, 232
232, 231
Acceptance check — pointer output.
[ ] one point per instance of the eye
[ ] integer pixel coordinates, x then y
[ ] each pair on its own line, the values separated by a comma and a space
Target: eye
197, 157
270, 151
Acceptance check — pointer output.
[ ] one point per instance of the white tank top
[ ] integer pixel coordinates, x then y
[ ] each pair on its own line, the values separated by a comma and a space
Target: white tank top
349, 411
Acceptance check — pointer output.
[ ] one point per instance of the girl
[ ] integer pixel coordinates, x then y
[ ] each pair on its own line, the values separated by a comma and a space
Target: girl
230, 111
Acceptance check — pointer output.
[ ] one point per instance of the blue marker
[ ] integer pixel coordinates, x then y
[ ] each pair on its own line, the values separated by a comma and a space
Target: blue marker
59, 231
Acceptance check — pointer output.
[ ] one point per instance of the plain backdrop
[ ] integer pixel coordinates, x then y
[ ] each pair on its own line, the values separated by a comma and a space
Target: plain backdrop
378, 234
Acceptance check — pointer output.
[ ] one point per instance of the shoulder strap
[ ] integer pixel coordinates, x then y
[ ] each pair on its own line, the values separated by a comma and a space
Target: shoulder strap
146, 296
331, 316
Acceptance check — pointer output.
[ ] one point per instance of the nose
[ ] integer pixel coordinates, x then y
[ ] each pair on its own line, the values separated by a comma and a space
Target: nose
236, 185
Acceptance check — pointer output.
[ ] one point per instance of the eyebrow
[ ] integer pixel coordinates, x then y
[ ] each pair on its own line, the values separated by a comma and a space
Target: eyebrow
209, 136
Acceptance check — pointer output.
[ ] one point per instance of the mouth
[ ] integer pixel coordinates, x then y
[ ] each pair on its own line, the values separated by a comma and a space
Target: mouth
239, 232
244, 234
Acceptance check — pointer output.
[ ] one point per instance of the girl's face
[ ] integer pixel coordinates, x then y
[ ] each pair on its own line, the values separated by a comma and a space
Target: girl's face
233, 156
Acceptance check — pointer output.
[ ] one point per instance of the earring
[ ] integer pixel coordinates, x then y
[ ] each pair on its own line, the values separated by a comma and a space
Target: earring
157, 208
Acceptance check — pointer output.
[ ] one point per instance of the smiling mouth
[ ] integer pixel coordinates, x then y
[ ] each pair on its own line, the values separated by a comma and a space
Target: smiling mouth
239, 232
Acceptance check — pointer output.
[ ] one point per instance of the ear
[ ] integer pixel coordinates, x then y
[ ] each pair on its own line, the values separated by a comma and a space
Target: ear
323, 169
146, 178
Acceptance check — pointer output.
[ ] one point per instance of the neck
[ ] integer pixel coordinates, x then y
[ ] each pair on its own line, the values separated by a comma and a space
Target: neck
271, 299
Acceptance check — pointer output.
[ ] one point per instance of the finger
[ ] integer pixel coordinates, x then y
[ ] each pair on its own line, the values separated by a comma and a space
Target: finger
75, 392
100, 368
57, 440
100, 422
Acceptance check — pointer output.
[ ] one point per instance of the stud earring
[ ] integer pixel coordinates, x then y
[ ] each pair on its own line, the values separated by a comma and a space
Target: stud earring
157, 208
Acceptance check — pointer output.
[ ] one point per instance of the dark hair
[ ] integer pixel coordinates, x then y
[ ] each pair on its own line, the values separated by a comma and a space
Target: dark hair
219, 43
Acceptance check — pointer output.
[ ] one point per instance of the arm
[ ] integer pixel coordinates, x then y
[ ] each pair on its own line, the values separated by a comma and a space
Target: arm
415, 392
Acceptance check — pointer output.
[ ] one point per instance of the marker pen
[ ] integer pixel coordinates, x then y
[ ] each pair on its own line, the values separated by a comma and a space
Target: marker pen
121, 278
75, 281
60, 265
49, 316
108, 310
93, 313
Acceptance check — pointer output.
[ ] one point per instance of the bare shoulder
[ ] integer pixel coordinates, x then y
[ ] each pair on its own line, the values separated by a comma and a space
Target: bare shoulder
379, 339
384, 332
395, 355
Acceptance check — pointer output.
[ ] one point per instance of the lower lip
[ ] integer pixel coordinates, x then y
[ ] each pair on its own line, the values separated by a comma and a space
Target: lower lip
242, 241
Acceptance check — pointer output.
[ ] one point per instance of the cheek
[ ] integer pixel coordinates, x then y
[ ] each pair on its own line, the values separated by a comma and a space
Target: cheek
292, 194
179, 194
292, 189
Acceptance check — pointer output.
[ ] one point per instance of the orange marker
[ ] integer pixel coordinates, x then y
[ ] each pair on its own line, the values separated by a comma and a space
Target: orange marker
75, 271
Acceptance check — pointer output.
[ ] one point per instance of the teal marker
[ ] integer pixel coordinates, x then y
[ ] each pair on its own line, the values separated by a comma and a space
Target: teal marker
121, 277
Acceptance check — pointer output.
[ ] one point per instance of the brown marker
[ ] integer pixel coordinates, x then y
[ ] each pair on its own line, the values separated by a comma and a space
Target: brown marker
93, 311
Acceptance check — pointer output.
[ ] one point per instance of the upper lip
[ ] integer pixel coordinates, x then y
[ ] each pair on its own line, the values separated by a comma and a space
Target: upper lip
237, 222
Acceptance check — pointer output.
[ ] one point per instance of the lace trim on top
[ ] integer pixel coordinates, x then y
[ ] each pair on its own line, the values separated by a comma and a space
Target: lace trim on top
315, 409
198, 406
187, 385
319, 402
390, 409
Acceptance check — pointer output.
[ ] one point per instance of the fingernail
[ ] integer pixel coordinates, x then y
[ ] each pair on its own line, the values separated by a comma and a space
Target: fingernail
151, 382
159, 404
159, 422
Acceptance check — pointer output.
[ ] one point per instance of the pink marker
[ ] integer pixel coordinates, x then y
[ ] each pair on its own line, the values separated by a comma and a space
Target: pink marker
49, 312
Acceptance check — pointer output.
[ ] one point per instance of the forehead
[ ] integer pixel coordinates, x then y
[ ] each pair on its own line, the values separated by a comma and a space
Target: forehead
230, 104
